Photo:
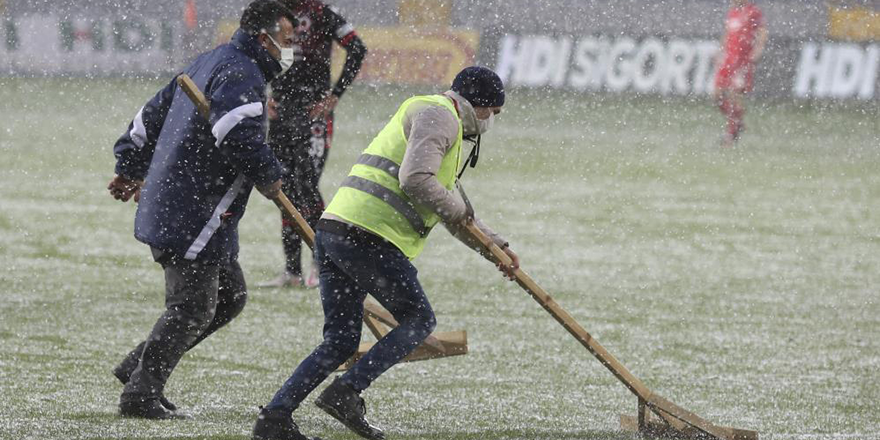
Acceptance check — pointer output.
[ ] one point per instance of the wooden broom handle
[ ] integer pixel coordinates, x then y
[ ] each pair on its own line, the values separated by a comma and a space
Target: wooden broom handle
195, 95
664, 408
299, 223
563, 317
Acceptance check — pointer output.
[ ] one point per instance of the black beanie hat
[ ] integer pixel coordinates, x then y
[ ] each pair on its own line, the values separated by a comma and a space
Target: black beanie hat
480, 86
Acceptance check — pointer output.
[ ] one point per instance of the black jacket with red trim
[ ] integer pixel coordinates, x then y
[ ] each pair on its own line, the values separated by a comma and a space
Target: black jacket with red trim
308, 80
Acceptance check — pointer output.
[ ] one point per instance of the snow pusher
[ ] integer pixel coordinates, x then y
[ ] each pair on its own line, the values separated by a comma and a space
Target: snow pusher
656, 416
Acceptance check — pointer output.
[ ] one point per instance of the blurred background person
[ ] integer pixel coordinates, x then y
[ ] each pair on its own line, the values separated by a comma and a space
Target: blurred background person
302, 106
741, 47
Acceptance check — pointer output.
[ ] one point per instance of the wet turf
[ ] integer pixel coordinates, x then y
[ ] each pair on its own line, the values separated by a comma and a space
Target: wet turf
740, 284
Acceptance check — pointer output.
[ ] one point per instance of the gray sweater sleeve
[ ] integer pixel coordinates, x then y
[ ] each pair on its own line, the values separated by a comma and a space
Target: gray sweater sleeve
430, 133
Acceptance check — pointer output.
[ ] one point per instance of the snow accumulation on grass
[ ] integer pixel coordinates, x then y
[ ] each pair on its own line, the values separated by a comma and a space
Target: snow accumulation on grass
741, 284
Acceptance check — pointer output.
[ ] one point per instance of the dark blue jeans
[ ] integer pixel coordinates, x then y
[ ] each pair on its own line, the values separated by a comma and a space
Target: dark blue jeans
349, 270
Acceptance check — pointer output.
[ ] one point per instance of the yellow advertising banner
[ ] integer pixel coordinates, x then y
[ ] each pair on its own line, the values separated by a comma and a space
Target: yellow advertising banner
404, 55
424, 12
224, 31
854, 23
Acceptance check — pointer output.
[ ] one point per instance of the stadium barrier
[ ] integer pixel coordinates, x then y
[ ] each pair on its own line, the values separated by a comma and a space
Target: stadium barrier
403, 54
50, 45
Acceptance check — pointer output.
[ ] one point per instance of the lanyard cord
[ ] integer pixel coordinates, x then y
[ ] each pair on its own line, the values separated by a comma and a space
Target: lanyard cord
473, 156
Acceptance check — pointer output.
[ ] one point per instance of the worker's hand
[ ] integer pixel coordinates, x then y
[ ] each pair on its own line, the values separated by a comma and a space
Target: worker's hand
509, 270
121, 188
269, 191
323, 108
272, 109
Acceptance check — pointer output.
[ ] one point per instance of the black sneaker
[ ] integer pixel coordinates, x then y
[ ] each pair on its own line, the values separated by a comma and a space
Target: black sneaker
149, 408
346, 405
273, 426
123, 373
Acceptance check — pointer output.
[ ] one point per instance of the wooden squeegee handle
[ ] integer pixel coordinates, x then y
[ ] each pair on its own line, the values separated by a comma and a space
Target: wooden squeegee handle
664, 408
563, 317
195, 95
300, 225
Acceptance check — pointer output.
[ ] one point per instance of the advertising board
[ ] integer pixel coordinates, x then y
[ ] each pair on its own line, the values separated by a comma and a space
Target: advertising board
53, 45
684, 66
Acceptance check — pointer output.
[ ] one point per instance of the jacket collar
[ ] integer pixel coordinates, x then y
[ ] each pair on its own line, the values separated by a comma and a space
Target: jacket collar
251, 46
465, 113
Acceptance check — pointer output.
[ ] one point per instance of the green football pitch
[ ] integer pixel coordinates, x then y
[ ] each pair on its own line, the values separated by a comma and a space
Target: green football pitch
741, 284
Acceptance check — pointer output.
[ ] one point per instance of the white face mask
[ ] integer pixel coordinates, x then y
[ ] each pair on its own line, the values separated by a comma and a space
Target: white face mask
483, 125
286, 56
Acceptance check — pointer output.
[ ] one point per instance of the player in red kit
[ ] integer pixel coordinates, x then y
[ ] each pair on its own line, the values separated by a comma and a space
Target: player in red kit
743, 42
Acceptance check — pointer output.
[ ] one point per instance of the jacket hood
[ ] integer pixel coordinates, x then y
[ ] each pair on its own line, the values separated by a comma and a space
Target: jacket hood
469, 126
251, 46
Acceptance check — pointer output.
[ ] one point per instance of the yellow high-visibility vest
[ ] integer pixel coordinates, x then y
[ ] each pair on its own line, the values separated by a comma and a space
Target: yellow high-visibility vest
371, 198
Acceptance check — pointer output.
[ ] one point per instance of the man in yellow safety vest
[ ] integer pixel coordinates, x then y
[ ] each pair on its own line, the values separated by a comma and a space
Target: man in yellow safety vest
402, 185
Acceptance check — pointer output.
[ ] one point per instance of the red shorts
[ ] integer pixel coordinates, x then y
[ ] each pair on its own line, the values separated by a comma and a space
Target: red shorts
738, 77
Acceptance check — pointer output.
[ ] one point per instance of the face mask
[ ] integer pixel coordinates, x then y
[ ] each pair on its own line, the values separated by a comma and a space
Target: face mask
483, 125
286, 56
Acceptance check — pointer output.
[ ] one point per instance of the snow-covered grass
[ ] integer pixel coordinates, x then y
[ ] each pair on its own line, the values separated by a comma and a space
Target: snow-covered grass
741, 284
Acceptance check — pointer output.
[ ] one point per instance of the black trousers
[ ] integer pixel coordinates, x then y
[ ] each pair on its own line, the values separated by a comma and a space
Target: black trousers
302, 149
200, 298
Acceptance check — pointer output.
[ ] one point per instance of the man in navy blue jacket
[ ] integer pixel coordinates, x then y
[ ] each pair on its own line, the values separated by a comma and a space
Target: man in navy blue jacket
192, 177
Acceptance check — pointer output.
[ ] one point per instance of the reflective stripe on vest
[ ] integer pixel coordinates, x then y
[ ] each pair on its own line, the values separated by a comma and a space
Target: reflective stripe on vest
404, 207
381, 163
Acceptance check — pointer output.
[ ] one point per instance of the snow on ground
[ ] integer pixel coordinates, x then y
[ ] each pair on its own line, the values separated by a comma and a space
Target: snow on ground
740, 284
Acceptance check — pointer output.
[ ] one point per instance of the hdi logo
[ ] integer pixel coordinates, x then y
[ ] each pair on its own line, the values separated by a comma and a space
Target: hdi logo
837, 70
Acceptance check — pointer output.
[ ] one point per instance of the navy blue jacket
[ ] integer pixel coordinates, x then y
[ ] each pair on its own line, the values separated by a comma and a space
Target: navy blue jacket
199, 173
